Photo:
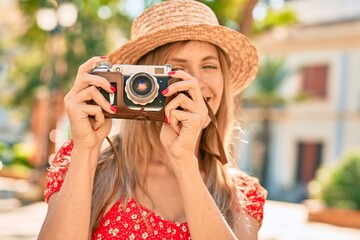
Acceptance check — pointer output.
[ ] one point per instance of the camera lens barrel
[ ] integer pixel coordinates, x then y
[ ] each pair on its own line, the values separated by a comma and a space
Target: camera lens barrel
142, 88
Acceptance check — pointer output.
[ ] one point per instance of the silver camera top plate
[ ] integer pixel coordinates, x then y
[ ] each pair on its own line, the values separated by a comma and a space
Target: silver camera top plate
153, 70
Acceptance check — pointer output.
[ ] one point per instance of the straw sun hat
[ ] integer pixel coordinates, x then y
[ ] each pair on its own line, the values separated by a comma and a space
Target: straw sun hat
179, 20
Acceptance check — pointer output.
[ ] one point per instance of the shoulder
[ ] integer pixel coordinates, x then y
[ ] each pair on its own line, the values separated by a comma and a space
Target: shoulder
63, 155
249, 194
62, 158
246, 184
58, 169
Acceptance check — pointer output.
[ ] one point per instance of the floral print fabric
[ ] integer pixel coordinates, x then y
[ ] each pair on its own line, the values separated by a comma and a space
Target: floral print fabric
133, 221
137, 222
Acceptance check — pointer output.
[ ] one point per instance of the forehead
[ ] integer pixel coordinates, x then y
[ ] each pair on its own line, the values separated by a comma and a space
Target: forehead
193, 50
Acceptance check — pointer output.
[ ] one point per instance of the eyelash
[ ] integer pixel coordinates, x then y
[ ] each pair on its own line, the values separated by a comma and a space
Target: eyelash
176, 69
206, 67
210, 66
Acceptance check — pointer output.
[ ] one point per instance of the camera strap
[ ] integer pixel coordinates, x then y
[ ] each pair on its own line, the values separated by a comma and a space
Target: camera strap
222, 157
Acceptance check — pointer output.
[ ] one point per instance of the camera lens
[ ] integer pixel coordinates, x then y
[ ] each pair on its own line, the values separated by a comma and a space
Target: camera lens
141, 88
141, 85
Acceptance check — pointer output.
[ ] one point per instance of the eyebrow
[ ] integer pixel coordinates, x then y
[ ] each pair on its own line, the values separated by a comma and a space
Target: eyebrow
182, 60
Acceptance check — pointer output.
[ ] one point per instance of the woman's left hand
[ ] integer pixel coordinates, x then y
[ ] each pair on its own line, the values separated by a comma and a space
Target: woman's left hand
187, 116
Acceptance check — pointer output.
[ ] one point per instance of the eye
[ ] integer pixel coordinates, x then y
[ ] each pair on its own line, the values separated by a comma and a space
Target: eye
210, 66
177, 69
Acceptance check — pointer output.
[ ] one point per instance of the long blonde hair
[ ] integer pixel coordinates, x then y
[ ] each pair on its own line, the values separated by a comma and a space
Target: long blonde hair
116, 179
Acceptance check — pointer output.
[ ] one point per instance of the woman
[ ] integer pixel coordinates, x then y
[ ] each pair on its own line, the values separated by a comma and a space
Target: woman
167, 182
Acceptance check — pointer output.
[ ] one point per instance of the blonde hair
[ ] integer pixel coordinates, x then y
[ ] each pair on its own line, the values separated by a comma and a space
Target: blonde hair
122, 176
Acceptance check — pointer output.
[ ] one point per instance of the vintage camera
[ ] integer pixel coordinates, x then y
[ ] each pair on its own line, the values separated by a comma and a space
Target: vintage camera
139, 88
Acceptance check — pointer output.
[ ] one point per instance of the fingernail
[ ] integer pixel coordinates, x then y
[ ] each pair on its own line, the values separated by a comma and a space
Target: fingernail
166, 120
165, 91
113, 88
171, 73
103, 57
114, 109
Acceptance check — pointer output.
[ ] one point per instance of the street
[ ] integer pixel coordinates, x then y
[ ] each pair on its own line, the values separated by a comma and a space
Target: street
282, 221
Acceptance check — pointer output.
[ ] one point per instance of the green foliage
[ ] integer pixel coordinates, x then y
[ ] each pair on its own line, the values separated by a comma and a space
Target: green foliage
21, 153
4, 153
1, 47
17, 154
265, 89
51, 59
270, 76
275, 18
24, 77
227, 11
340, 186
149, 3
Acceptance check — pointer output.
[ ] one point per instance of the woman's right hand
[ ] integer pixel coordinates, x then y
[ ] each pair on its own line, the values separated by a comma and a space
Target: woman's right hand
88, 124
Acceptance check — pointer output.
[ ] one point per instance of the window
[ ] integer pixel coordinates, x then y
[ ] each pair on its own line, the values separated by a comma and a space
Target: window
309, 157
314, 80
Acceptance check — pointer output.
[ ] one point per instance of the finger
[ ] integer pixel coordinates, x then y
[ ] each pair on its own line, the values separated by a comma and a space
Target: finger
83, 70
87, 80
185, 121
96, 112
183, 102
174, 123
92, 93
189, 84
102, 129
186, 105
90, 64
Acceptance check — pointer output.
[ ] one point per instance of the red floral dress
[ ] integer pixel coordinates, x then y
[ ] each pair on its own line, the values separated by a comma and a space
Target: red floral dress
126, 221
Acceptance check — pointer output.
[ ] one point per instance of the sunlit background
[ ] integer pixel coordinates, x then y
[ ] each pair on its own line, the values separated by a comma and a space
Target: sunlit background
300, 120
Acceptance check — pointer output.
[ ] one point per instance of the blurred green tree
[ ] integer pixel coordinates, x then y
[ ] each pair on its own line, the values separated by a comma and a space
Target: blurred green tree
45, 63
238, 15
275, 18
339, 185
50, 59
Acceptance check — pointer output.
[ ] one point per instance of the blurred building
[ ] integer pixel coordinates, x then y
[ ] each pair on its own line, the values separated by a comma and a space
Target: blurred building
321, 118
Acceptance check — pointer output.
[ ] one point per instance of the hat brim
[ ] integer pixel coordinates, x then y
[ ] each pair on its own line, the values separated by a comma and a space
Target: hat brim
241, 52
